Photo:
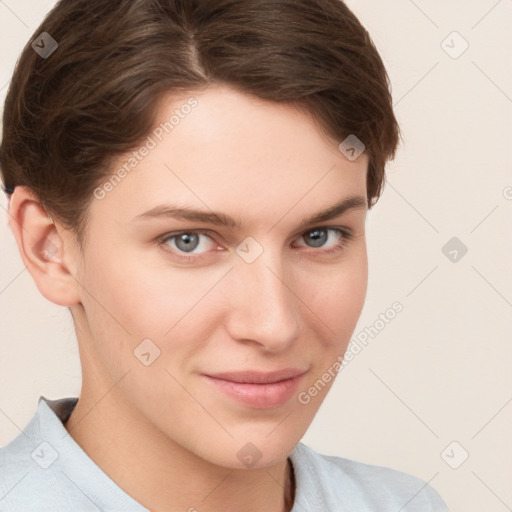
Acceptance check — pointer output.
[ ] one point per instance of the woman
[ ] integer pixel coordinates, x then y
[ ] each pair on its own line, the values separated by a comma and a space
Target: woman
191, 179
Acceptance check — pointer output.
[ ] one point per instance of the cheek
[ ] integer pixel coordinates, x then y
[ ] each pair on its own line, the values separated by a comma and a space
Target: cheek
350, 294
144, 298
337, 298
129, 300
337, 304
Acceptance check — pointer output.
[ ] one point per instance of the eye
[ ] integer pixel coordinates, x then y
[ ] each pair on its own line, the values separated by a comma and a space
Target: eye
187, 241
318, 237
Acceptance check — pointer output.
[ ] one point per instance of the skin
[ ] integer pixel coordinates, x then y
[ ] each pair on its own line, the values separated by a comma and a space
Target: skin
268, 166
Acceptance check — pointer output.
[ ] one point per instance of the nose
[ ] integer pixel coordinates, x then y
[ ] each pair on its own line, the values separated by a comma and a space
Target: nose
263, 308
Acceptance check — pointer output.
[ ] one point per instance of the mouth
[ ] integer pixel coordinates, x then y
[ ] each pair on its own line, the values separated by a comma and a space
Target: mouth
260, 390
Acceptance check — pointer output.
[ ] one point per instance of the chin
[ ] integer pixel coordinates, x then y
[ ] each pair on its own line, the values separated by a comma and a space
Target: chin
251, 451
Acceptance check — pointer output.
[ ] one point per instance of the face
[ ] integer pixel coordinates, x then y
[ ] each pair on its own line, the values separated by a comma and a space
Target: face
215, 325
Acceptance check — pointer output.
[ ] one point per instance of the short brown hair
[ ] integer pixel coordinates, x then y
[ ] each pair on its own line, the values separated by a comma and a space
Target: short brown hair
68, 116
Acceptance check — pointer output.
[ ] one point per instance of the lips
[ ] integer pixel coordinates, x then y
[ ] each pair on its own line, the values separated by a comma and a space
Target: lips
258, 377
256, 388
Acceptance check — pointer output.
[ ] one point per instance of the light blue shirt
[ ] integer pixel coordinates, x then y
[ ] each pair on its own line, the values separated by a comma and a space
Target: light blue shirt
44, 469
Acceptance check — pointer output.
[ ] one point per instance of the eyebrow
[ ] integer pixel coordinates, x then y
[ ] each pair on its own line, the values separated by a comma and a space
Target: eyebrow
221, 219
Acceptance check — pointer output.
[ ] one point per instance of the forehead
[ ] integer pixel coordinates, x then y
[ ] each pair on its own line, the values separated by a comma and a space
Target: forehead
220, 149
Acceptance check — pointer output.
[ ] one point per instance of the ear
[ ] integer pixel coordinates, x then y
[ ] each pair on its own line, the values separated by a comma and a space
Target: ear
47, 249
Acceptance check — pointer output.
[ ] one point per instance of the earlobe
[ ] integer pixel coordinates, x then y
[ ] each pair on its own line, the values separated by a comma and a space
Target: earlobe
42, 248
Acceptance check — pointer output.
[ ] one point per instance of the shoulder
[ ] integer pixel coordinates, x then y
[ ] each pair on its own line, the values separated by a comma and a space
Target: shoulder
339, 480
20, 475
30, 475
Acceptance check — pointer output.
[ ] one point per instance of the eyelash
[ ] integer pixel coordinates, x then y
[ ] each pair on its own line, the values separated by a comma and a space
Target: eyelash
346, 237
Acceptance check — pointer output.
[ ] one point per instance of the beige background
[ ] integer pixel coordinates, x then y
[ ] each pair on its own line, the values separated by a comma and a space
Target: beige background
440, 371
